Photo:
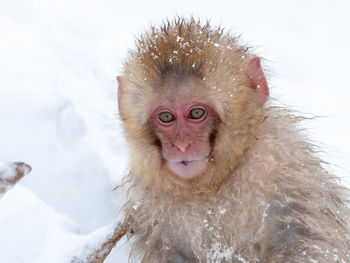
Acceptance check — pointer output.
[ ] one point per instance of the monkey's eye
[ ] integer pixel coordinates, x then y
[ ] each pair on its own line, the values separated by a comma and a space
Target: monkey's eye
166, 117
196, 113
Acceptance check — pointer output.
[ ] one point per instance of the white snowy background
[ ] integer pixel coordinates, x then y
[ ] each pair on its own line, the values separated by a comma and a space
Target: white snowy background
58, 109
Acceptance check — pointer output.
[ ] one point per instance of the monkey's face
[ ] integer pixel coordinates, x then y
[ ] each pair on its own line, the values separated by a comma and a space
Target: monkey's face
184, 130
190, 113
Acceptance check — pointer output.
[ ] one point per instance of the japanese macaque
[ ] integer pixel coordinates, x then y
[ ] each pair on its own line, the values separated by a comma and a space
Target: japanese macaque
217, 173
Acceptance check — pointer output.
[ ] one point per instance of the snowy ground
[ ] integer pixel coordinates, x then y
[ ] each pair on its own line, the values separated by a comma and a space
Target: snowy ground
58, 111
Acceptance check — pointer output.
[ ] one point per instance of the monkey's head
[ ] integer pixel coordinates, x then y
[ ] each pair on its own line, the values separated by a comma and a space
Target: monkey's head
191, 99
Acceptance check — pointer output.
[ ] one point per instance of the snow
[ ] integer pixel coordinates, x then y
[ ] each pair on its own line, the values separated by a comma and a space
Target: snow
58, 110
27, 223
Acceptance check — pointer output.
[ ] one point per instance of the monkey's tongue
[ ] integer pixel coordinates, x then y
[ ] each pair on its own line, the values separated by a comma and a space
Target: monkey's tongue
187, 169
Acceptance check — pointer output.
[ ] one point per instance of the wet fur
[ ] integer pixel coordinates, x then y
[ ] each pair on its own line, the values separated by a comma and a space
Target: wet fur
265, 196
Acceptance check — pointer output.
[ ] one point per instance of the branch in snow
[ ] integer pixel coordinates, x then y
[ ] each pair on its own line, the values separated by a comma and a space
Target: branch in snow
99, 253
10, 174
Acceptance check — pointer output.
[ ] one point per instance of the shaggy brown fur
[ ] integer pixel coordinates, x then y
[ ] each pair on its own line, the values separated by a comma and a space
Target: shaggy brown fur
264, 197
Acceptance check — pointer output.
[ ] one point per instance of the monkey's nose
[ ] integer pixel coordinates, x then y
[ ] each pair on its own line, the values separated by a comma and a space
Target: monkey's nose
182, 146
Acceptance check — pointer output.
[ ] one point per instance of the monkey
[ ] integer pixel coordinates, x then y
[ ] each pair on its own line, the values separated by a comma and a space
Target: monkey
217, 172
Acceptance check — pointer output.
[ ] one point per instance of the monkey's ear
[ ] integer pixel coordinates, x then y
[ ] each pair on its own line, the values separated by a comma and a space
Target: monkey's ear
120, 92
257, 76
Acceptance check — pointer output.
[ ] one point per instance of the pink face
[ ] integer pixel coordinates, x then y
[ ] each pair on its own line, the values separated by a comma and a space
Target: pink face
184, 132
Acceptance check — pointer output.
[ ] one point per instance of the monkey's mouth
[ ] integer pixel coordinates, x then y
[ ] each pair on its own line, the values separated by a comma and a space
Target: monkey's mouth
187, 169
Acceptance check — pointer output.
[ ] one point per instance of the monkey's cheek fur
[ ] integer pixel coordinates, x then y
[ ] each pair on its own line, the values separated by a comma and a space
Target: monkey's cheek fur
188, 169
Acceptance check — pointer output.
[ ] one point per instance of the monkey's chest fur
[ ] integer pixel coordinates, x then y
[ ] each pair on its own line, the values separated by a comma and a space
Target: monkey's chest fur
279, 205
175, 230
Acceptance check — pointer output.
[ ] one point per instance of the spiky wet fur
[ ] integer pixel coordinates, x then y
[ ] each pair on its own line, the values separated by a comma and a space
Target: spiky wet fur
265, 196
